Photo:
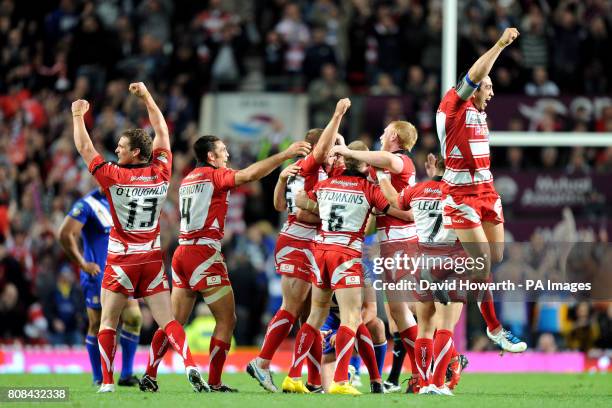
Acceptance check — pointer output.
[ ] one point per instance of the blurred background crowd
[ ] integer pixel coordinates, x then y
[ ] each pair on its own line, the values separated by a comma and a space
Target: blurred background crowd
54, 52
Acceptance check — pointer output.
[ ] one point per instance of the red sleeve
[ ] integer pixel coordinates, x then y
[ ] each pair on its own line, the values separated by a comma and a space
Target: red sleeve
451, 103
405, 197
224, 179
312, 194
105, 173
377, 198
161, 159
309, 165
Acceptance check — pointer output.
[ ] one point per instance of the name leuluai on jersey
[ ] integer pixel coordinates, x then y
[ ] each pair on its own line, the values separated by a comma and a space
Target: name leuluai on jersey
428, 213
343, 213
138, 207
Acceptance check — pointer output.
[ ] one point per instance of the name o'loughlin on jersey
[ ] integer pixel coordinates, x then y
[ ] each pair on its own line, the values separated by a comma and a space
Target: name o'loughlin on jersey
140, 191
340, 197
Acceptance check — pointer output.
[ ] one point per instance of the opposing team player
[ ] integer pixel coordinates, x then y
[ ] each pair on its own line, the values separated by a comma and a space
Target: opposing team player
472, 207
136, 187
343, 204
198, 265
294, 251
91, 219
396, 236
435, 241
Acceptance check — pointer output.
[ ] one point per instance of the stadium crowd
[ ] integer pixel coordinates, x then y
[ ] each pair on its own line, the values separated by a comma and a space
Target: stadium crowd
55, 52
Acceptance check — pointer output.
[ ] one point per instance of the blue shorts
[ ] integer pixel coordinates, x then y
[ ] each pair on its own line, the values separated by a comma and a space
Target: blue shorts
92, 286
331, 323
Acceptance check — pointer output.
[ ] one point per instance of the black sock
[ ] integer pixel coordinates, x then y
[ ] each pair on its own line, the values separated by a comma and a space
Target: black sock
399, 352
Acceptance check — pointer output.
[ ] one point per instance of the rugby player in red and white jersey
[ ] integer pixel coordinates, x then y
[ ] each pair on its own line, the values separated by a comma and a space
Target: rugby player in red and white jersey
198, 267
136, 187
343, 203
294, 250
396, 236
472, 207
425, 201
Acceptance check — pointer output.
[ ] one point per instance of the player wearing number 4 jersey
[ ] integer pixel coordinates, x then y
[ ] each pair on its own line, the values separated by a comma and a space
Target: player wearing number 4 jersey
293, 255
136, 188
198, 265
472, 207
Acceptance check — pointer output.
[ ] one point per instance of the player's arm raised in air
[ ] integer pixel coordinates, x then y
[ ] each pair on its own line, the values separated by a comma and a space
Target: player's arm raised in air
280, 202
82, 141
162, 135
69, 232
328, 137
379, 159
484, 64
264, 167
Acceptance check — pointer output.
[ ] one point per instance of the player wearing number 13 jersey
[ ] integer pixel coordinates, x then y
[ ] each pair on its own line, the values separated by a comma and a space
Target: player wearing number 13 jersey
198, 265
136, 187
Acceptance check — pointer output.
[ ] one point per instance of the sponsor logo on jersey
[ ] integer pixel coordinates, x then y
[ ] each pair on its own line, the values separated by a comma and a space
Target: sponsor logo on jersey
143, 178
163, 157
352, 280
287, 268
344, 183
430, 190
213, 280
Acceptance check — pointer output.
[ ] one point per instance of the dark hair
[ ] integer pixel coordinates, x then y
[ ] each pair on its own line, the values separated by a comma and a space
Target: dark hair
204, 145
139, 139
313, 135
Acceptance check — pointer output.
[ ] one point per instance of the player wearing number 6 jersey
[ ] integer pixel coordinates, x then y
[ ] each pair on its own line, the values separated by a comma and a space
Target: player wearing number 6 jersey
343, 203
136, 188
293, 254
198, 265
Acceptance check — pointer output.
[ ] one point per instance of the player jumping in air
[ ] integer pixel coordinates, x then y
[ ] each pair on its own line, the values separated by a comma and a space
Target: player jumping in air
294, 251
90, 218
198, 265
472, 207
136, 188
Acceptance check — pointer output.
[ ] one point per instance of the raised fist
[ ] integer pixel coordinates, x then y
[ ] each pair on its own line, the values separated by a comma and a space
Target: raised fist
138, 88
510, 34
80, 107
342, 106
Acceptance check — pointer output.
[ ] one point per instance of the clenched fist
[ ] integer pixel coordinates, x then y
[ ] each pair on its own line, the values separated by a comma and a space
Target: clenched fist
139, 89
510, 34
342, 106
80, 107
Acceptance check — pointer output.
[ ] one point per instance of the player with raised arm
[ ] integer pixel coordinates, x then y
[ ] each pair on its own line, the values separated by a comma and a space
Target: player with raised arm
425, 201
343, 203
294, 251
136, 188
198, 265
472, 207
396, 236
90, 218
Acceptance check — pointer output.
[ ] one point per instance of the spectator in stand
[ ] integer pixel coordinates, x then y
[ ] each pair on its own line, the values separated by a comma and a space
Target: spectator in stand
227, 64
566, 52
323, 93
274, 62
584, 330
63, 310
296, 34
416, 82
597, 62
534, 39
578, 163
384, 86
318, 54
540, 84
387, 39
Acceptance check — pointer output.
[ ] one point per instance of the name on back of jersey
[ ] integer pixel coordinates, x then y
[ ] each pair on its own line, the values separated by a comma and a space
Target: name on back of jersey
139, 191
341, 197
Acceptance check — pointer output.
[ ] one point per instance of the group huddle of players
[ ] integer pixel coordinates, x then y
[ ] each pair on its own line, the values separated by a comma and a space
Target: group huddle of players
330, 193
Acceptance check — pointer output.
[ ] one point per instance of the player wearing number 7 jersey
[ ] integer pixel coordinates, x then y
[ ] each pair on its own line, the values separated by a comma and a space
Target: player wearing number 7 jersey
136, 188
198, 265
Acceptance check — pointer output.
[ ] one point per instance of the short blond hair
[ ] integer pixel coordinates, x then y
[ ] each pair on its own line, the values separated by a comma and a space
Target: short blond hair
352, 164
406, 133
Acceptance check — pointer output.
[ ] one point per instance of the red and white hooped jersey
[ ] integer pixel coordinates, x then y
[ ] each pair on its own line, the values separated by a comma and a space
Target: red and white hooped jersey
345, 202
389, 228
425, 200
464, 140
136, 194
203, 202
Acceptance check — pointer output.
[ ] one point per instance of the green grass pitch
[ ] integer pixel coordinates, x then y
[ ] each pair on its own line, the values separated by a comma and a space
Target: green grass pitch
475, 390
